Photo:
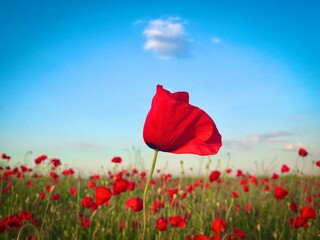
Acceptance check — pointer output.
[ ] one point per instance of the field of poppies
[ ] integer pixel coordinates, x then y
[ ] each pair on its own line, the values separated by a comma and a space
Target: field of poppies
44, 200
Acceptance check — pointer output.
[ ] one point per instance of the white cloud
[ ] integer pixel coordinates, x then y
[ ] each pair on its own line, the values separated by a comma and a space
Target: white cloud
216, 40
292, 147
167, 38
249, 142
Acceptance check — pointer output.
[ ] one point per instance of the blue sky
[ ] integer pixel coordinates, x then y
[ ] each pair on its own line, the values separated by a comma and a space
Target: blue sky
77, 79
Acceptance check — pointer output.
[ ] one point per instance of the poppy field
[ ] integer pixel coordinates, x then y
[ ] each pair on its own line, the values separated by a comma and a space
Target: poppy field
44, 200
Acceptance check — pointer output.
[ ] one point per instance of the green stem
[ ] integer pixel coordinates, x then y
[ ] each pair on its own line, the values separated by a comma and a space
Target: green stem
145, 193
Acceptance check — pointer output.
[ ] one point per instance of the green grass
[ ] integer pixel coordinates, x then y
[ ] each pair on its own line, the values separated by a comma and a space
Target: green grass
268, 217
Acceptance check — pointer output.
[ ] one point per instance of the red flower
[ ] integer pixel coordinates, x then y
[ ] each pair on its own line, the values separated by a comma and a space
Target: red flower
173, 125
285, 168
219, 225
308, 212
136, 204
14, 221
275, 176
85, 222
116, 160
26, 215
318, 163
42, 195
235, 194
87, 202
162, 224
280, 193
56, 196
298, 222
214, 176
177, 221
200, 237
239, 233
103, 195
119, 186
73, 191
4, 156
56, 162
40, 159
302, 152
91, 184
294, 207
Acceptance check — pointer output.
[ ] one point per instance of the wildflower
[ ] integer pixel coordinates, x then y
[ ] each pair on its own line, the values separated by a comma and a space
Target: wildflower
162, 224
73, 191
214, 175
239, 233
177, 221
119, 186
103, 195
302, 152
87, 202
308, 212
173, 125
285, 168
294, 206
40, 159
280, 193
85, 222
136, 204
4, 156
116, 160
56, 196
56, 162
91, 184
219, 225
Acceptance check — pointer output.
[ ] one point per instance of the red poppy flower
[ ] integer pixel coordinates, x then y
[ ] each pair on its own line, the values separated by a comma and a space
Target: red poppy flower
42, 195
275, 176
119, 186
56, 162
73, 191
239, 233
200, 237
4, 156
87, 202
40, 159
162, 224
308, 212
56, 196
173, 125
214, 175
219, 225
235, 194
14, 221
177, 221
103, 195
85, 222
302, 152
298, 222
116, 160
285, 168
91, 184
294, 207
136, 204
280, 193
318, 163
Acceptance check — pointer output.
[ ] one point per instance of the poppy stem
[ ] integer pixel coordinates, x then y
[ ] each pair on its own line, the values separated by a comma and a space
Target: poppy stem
145, 193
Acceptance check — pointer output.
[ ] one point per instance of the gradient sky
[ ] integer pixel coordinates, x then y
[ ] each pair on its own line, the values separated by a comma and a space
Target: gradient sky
77, 78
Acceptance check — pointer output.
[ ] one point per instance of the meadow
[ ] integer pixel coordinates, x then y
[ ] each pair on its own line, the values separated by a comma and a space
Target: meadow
43, 199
